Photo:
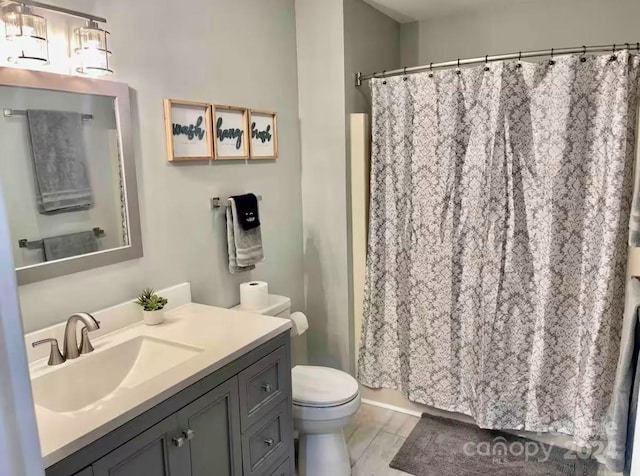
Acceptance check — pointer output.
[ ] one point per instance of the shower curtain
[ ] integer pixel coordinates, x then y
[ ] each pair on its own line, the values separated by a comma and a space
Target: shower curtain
500, 205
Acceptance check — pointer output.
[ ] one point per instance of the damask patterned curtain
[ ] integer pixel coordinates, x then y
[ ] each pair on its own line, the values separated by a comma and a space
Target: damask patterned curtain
500, 205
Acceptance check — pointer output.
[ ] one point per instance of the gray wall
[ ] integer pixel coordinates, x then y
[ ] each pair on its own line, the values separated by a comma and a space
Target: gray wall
241, 53
371, 43
520, 26
335, 38
320, 42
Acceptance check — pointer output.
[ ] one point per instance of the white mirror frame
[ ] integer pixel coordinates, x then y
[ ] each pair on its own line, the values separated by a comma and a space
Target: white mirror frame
120, 92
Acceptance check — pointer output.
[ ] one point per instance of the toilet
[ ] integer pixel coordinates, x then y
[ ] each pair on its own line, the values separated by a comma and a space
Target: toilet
324, 400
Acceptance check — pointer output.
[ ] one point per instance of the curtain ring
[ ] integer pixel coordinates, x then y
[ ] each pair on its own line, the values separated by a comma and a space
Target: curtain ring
638, 46
613, 53
431, 70
552, 61
404, 72
458, 68
384, 76
486, 62
519, 64
584, 52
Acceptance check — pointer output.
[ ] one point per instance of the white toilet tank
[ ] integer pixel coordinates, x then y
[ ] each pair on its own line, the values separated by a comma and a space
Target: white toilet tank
280, 306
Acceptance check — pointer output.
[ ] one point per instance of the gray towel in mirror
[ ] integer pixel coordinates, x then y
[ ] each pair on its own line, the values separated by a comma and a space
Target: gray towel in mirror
74, 244
59, 161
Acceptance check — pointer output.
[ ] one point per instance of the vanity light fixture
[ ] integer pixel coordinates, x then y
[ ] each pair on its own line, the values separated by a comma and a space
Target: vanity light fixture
26, 34
92, 50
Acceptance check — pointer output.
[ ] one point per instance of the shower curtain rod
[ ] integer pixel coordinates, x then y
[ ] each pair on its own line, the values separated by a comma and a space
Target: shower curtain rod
359, 77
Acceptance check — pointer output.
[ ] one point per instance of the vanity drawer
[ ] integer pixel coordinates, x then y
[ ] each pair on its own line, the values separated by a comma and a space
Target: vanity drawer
284, 469
267, 441
263, 386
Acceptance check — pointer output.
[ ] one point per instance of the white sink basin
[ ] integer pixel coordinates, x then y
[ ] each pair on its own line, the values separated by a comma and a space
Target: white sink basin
80, 385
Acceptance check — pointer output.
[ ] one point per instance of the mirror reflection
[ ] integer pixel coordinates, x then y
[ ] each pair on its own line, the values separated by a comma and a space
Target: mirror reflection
61, 174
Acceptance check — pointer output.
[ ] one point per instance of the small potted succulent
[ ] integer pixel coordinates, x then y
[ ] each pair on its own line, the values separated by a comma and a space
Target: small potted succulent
152, 307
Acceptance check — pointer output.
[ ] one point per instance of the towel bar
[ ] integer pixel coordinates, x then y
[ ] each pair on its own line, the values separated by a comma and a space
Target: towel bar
21, 112
215, 202
34, 245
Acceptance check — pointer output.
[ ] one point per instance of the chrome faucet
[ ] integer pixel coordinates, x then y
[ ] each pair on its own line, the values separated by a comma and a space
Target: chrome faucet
71, 350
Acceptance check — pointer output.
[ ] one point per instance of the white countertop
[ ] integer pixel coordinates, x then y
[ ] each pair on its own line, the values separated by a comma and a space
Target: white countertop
222, 334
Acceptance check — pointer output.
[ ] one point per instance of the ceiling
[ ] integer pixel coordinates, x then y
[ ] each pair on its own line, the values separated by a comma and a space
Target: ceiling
405, 11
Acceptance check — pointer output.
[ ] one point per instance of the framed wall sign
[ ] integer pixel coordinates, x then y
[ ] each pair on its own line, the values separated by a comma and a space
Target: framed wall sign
188, 130
263, 129
230, 126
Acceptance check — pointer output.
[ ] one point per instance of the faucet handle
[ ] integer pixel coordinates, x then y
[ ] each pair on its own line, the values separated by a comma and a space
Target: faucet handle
55, 357
85, 343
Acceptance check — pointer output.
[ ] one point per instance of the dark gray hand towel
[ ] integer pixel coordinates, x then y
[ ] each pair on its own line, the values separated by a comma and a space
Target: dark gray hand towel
59, 162
244, 246
247, 207
74, 244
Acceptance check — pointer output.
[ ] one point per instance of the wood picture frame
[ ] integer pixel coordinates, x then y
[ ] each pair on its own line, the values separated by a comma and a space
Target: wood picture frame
263, 132
188, 130
230, 126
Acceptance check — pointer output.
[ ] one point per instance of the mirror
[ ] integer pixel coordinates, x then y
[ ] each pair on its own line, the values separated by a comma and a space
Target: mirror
67, 173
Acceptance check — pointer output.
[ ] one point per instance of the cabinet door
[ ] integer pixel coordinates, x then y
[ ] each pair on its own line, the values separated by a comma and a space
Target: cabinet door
85, 472
284, 469
212, 424
152, 453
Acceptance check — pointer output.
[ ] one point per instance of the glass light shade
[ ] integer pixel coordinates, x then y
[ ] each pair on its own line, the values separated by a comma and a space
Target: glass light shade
92, 51
26, 34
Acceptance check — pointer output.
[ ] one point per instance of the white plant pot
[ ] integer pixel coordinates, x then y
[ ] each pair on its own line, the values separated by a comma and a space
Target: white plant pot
153, 318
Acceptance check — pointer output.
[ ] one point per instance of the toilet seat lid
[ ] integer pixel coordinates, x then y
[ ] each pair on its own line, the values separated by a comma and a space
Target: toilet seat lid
322, 386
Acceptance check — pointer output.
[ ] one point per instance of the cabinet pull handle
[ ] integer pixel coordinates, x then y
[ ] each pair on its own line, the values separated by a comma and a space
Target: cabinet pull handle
268, 442
189, 434
179, 441
266, 387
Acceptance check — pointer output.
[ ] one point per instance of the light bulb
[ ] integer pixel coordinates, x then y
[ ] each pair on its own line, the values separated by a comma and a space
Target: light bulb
92, 52
27, 36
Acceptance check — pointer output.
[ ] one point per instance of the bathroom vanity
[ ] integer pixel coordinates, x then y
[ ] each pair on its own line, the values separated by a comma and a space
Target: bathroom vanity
206, 393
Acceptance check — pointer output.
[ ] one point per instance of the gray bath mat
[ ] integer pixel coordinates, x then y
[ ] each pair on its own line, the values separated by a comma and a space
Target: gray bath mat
443, 447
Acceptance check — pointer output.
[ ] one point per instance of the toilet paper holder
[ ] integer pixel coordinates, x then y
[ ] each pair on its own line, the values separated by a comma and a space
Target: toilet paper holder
215, 202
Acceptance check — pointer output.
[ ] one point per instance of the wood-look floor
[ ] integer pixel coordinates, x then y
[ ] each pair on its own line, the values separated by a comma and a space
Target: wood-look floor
375, 435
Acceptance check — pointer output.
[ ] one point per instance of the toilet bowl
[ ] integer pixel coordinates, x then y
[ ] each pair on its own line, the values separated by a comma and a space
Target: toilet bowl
324, 400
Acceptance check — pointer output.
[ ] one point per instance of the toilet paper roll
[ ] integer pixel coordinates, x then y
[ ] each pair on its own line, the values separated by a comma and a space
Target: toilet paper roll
254, 295
299, 322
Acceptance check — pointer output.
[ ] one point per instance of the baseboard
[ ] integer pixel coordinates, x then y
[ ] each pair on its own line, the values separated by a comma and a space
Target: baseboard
391, 407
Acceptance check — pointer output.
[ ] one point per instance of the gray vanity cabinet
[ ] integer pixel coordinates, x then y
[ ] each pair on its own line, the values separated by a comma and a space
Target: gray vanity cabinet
236, 421
151, 453
214, 422
197, 441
